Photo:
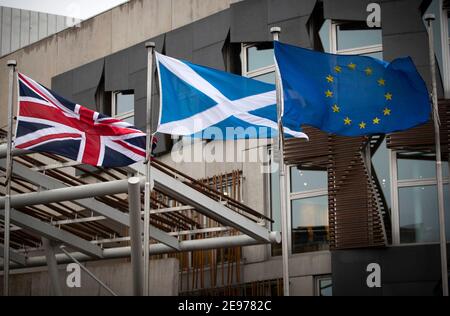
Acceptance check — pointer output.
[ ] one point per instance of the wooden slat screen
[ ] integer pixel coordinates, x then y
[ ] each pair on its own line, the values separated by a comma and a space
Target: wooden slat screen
422, 138
354, 217
446, 4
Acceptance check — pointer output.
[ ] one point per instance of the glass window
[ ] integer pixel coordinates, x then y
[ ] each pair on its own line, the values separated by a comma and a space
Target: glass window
377, 55
310, 231
324, 35
305, 180
123, 106
324, 286
268, 78
124, 103
259, 57
129, 119
419, 217
349, 37
416, 169
380, 162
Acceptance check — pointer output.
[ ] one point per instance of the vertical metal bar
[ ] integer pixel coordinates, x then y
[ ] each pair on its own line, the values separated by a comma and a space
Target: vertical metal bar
283, 194
440, 184
395, 216
52, 266
7, 220
147, 191
134, 200
87, 271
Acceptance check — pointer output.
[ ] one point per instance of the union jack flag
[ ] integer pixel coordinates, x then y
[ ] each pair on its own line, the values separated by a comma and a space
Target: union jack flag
49, 123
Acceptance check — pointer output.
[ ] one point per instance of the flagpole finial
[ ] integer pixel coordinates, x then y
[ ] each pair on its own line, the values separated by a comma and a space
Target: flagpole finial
429, 17
150, 45
11, 63
275, 29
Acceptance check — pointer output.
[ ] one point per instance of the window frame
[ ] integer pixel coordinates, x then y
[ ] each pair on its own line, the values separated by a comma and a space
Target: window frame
257, 72
445, 41
121, 116
396, 185
317, 281
293, 196
362, 50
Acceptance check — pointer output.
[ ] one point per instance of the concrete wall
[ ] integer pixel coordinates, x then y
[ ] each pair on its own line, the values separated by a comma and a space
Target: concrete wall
116, 274
102, 35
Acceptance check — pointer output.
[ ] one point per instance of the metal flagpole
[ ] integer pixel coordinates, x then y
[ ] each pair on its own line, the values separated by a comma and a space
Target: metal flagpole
148, 152
7, 220
440, 185
284, 226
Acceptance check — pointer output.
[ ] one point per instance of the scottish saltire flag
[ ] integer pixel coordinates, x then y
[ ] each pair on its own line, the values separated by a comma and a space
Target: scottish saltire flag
203, 102
49, 123
350, 95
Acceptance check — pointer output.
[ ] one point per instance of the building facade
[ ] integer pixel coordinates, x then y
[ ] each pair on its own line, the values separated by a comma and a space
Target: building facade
20, 28
352, 202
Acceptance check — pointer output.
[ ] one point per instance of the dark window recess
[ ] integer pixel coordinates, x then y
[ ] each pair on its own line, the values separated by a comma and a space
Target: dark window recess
103, 98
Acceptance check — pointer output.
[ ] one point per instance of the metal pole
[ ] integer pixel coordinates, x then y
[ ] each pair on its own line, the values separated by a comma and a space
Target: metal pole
283, 194
148, 151
440, 184
12, 68
52, 266
158, 249
87, 271
134, 200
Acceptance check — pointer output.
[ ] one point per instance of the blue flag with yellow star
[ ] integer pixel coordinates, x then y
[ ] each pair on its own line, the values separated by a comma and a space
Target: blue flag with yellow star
350, 95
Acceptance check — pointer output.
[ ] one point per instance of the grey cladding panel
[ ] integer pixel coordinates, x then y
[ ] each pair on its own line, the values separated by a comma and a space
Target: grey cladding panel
138, 82
63, 84
86, 98
294, 32
80, 85
87, 76
137, 54
116, 71
280, 10
404, 270
179, 43
210, 56
140, 113
410, 44
249, 21
211, 30
402, 17
349, 10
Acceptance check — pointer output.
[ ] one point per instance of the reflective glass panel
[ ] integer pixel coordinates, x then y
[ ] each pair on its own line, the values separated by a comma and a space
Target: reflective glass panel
305, 180
124, 103
419, 217
267, 78
348, 38
259, 58
310, 224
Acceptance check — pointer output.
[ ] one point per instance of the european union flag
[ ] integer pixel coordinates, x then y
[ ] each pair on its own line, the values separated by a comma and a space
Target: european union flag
350, 95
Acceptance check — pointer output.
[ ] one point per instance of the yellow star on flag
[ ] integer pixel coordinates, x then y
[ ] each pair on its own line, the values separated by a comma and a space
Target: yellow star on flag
330, 78
336, 108
338, 69
376, 121
381, 82
347, 121
387, 112
369, 71
329, 94
362, 125
352, 66
388, 96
